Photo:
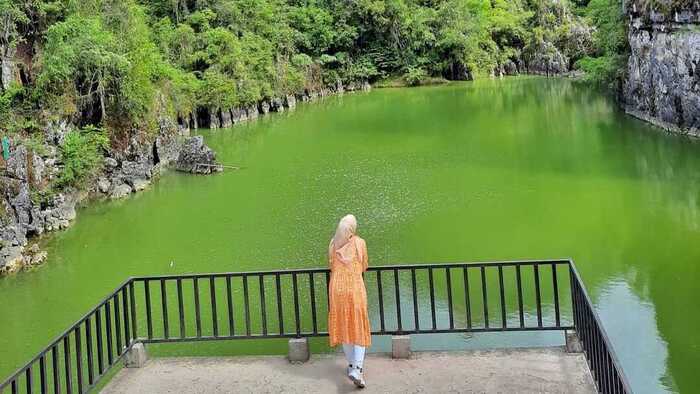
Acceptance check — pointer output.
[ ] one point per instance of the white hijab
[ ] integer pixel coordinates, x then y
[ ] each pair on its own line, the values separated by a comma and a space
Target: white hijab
345, 230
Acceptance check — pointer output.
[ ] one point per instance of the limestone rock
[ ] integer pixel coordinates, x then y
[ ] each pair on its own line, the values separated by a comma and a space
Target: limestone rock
11, 258
103, 185
663, 73
277, 105
111, 163
546, 59
197, 158
139, 184
120, 191
264, 107
214, 119
167, 148
16, 166
56, 131
252, 112
226, 118
290, 101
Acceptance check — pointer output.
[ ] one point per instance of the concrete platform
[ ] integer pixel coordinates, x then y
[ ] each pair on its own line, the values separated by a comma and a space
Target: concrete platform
542, 370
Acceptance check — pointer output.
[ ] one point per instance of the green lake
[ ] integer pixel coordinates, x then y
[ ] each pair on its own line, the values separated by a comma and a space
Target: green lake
519, 168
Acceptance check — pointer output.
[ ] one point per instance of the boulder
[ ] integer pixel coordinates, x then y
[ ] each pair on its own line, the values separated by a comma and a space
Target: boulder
252, 112
137, 169
103, 185
277, 105
110, 163
264, 107
139, 184
226, 120
56, 131
290, 101
546, 59
167, 148
214, 119
120, 191
197, 158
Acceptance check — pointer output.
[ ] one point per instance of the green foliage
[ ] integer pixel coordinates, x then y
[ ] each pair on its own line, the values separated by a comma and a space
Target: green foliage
414, 76
81, 155
606, 63
121, 64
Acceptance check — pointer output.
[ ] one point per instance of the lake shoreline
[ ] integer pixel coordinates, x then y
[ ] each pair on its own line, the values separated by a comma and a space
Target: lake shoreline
125, 172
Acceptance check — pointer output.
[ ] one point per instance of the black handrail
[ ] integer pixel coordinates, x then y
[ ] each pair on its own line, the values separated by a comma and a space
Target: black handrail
475, 297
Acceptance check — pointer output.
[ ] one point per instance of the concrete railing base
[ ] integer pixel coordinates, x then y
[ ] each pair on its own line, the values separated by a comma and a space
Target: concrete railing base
401, 346
573, 343
136, 357
298, 350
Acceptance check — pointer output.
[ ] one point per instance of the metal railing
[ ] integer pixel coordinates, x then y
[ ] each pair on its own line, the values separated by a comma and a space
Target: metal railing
402, 299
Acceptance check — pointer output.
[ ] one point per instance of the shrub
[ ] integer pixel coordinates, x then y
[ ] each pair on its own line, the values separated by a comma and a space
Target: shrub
81, 155
414, 76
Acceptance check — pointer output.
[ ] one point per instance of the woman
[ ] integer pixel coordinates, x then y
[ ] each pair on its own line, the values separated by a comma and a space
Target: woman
348, 323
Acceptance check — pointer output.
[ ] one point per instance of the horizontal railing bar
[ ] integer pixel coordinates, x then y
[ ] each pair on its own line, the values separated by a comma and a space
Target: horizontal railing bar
407, 266
325, 334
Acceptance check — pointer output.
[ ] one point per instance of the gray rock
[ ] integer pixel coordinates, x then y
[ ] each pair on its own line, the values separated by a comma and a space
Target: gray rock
252, 112
167, 147
11, 258
510, 68
139, 184
103, 185
290, 101
16, 165
120, 191
214, 119
226, 118
140, 169
239, 115
66, 210
111, 163
546, 59
197, 158
663, 73
277, 105
56, 131
264, 107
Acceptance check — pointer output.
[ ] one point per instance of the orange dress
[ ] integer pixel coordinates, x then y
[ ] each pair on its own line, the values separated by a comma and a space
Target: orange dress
347, 313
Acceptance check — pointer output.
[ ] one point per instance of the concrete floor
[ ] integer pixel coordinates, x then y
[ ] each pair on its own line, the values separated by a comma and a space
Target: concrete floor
542, 370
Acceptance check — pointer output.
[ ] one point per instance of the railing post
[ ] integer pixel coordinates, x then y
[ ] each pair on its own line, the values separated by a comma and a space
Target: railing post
400, 346
137, 356
298, 350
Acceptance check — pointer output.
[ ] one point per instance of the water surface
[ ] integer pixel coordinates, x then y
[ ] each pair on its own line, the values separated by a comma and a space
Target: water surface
492, 170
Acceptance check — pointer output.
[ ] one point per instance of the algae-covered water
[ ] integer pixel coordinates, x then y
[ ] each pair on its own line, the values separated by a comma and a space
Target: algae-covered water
492, 170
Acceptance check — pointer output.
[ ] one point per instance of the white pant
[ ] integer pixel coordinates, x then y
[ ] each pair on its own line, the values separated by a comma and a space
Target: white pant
354, 354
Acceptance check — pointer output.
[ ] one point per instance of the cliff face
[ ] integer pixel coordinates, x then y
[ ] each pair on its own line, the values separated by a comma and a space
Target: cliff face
663, 81
25, 215
127, 170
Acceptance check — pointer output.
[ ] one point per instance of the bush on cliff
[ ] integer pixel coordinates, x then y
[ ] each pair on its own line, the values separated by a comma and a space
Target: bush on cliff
122, 64
81, 155
606, 64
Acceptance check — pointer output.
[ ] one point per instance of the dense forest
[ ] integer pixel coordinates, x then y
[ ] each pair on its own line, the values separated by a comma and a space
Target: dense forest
115, 67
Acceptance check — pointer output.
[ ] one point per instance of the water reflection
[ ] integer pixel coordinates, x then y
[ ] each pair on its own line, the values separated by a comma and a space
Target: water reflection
494, 170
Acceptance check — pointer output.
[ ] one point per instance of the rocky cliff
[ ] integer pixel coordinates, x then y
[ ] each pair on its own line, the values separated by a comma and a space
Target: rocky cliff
25, 213
663, 73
